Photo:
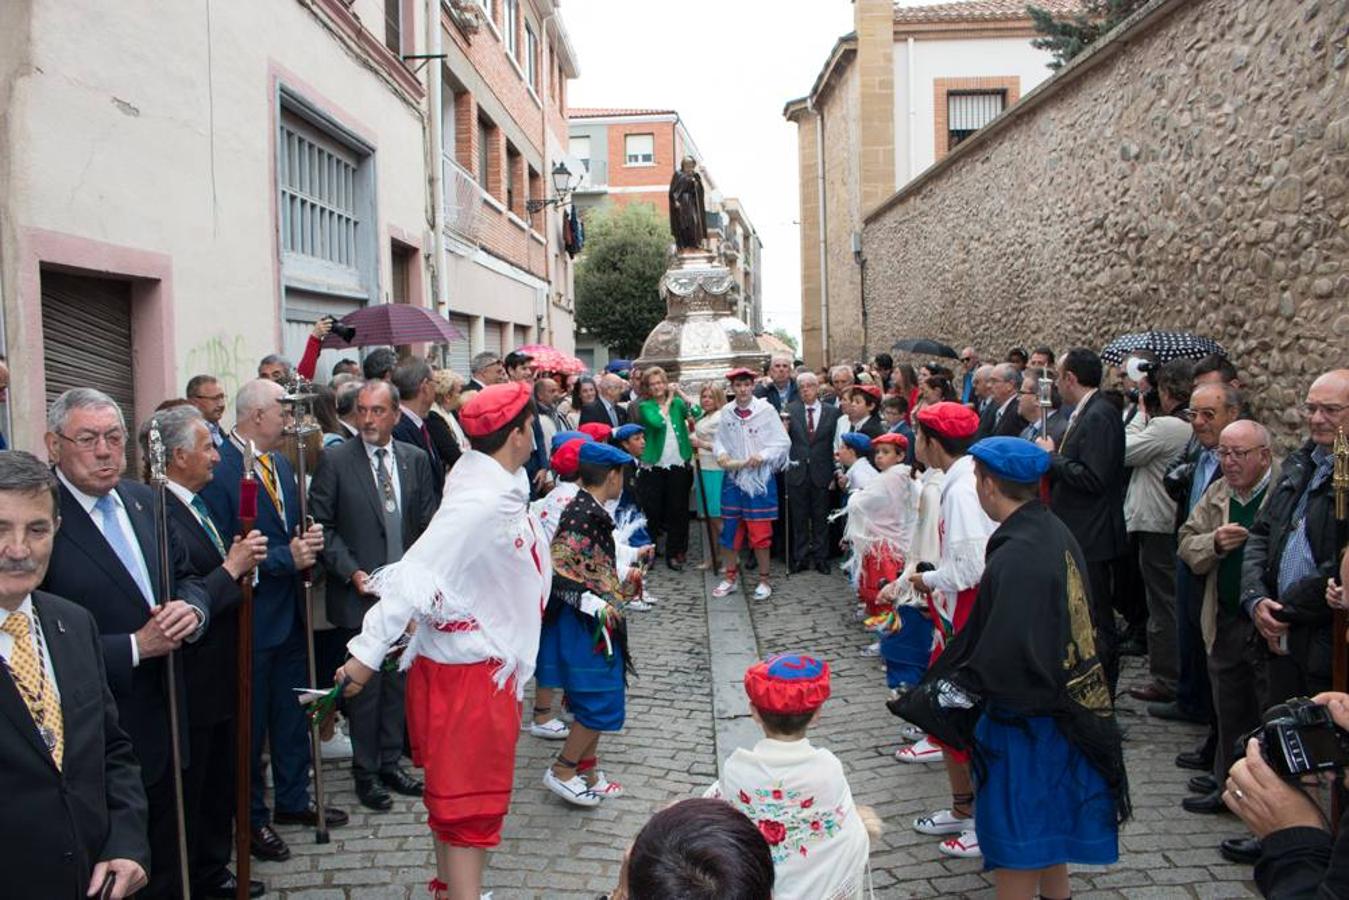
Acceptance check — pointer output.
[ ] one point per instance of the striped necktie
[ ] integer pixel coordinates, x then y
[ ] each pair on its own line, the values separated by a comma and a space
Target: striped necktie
204, 517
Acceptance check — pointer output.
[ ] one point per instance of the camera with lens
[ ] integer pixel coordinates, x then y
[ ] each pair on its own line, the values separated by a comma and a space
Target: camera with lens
1300, 737
345, 332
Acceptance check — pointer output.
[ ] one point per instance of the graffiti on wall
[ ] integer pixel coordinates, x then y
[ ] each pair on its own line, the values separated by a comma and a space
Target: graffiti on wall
224, 356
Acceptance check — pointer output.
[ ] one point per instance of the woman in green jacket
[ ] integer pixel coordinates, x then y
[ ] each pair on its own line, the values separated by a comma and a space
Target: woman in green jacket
665, 477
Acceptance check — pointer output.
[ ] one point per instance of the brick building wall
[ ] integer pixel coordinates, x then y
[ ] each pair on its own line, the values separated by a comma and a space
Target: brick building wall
1190, 172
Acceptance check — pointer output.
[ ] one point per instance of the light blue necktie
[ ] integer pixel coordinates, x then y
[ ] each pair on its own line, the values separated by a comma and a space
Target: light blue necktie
117, 539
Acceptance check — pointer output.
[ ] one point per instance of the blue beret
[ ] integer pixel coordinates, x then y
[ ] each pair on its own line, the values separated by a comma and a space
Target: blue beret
604, 454
563, 436
858, 441
626, 432
1012, 458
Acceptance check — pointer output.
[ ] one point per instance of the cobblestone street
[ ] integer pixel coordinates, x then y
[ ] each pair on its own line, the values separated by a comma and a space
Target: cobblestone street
668, 751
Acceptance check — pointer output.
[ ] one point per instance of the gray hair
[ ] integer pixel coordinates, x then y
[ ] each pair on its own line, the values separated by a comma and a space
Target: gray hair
483, 360
176, 429
409, 375
1231, 396
834, 370
807, 377
256, 394
273, 359
344, 395
22, 473
197, 382
375, 384
79, 398
985, 371
1260, 431
1008, 373
781, 358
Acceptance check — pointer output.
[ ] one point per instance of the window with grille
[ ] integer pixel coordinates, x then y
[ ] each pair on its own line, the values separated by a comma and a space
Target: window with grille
531, 57
968, 111
484, 150
319, 202
393, 25
512, 188
510, 11
640, 149
580, 148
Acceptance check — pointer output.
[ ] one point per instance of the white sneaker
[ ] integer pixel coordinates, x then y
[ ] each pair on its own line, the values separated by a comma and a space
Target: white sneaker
870, 651
574, 790
922, 752
943, 821
336, 747
910, 732
727, 585
606, 788
963, 846
763, 591
552, 730
638, 606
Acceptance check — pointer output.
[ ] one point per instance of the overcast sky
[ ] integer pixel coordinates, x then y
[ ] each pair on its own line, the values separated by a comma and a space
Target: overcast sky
727, 66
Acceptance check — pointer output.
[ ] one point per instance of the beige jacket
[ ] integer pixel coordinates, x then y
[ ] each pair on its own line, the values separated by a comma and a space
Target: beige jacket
1198, 552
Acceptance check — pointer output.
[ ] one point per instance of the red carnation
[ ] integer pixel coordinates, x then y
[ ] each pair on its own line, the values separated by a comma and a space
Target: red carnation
777, 794
744, 798
774, 832
808, 803
815, 825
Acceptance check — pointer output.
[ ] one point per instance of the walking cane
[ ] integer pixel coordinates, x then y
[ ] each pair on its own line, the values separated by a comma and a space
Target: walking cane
1339, 679
160, 481
786, 505
299, 397
243, 700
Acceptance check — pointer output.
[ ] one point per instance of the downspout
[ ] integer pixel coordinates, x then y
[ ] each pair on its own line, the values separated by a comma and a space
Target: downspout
824, 228
440, 289
913, 111
544, 316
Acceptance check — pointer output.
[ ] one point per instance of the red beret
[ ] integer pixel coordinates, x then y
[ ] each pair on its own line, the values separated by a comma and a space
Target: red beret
493, 406
597, 430
870, 390
788, 684
742, 372
891, 437
567, 458
949, 419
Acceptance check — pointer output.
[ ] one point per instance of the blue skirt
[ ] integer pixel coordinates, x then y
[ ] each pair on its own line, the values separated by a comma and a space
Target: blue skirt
1040, 803
906, 652
710, 490
593, 684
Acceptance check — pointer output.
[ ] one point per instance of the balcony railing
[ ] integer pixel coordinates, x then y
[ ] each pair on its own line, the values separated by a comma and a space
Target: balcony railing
463, 199
597, 179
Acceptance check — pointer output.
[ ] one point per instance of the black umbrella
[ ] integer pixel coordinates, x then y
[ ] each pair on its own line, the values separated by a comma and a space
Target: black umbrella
1168, 345
924, 347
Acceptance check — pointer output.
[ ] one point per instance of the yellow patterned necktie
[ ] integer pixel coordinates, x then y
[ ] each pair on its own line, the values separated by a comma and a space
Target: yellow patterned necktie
30, 677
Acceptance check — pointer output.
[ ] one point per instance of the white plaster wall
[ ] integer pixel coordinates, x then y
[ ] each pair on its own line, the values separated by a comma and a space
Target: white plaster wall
953, 58
121, 136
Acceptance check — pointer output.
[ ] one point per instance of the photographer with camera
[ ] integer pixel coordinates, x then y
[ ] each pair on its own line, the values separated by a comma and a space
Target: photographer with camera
1298, 858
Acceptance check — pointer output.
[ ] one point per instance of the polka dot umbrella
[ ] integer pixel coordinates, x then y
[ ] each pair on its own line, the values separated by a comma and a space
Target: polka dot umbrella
1168, 345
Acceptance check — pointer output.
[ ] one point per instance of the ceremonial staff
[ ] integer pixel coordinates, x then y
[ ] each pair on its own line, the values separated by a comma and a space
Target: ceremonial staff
160, 482
300, 397
243, 702
1339, 677
787, 502
707, 518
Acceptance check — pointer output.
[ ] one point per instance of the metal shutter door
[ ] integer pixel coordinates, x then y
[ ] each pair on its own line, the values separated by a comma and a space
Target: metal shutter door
491, 337
86, 338
457, 352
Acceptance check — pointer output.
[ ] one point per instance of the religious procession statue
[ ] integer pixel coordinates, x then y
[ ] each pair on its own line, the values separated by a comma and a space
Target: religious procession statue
688, 213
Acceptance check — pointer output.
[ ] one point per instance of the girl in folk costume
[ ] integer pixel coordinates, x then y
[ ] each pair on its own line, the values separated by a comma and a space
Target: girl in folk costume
548, 509
474, 585
945, 432
854, 458
797, 793
751, 446
584, 647
881, 520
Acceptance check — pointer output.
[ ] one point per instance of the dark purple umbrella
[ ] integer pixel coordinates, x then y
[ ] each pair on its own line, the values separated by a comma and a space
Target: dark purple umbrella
394, 323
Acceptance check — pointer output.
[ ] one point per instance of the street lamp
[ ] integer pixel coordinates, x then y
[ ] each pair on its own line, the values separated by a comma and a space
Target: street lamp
562, 188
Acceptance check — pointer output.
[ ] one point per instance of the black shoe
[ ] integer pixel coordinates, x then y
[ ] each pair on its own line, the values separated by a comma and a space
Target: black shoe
228, 886
1203, 784
372, 794
399, 781
334, 817
799, 567
676, 564
1172, 712
1207, 804
1195, 759
1244, 851
267, 845
1133, 648
822, 568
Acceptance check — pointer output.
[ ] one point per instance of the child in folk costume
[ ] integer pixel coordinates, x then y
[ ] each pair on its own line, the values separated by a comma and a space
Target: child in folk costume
945, 432
854, 459
881, 519
751, 446
548, 509
797, 793
584, 647
630, 528
475, 585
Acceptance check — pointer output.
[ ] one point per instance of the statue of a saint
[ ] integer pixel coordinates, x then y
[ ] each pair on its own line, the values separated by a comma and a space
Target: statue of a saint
688, 220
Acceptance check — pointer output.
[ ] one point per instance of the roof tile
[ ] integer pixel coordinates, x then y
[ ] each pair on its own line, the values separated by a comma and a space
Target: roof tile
979, 10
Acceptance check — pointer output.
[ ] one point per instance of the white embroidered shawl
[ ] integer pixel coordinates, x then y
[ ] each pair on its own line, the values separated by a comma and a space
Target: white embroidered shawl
883, 514
759, 435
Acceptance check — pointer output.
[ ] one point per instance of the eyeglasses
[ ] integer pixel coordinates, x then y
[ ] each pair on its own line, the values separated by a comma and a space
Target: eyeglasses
87, 441
1035, 394
1331, 410
1237, 453
1203, 415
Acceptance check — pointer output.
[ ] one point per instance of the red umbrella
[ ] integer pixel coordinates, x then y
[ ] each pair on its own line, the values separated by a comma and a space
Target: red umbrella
394, 323
550, 359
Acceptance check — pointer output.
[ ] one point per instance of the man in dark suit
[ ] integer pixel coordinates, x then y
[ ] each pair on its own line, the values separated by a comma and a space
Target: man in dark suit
810, 425
416, 392
1087, 488
780, 389
373, 496
106, 559
279, 643
1002, 417
211, 665
605, 409
67, 770
1053, 423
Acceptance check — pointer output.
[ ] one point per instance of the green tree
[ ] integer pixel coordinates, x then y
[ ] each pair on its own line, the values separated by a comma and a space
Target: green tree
786, 337
1068, 34
618, 277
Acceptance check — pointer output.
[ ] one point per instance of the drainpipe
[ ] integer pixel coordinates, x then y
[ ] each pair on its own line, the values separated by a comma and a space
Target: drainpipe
913, 111
824, 228
544, 316
435, 97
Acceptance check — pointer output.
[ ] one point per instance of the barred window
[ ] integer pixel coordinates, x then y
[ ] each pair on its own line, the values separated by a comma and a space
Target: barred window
967, 112
318, 196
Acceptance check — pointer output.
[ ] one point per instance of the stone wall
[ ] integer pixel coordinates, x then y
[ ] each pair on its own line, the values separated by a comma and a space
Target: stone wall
1188, 173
